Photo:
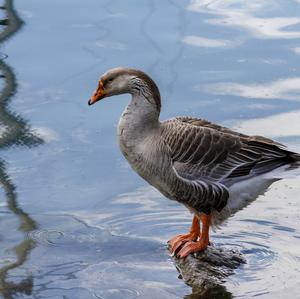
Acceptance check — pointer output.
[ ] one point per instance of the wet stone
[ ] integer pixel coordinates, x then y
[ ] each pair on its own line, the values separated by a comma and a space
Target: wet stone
209, 269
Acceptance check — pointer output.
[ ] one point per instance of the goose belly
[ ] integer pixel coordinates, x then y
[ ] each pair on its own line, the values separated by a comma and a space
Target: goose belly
241, 194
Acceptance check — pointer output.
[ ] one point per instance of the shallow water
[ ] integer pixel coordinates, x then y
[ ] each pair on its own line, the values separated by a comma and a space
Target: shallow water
75, 220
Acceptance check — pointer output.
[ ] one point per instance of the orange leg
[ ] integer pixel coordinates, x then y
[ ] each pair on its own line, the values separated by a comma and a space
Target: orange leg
191, 246
176, 242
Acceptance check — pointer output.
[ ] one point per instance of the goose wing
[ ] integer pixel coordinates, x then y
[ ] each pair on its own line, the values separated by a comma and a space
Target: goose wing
204, 151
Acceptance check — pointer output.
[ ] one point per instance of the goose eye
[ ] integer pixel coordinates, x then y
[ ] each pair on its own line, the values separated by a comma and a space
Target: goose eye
109, 80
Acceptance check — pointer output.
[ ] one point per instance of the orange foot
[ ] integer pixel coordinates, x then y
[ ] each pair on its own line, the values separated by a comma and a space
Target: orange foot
176, 242
191, 247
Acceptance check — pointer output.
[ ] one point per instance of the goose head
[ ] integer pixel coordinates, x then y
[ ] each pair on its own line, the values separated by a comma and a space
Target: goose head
125, 80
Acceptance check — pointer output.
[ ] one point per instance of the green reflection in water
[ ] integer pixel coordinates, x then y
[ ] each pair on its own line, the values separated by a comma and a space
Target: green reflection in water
16, 131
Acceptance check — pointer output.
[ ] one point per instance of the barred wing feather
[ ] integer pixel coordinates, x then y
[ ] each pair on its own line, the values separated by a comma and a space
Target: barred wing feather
215, 156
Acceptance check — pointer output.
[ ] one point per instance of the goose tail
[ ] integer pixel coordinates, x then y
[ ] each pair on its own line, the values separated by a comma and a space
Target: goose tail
295, 157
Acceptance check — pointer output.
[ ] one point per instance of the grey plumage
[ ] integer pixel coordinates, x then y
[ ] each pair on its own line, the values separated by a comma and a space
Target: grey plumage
215, 157
189, 160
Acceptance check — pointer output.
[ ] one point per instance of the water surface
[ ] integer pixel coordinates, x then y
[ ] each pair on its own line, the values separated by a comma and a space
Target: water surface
76, 221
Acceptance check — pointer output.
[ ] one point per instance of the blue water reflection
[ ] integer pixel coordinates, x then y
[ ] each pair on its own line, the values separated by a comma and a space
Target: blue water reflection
100, 230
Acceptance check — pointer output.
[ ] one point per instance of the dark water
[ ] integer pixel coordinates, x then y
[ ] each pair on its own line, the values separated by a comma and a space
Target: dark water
75, 221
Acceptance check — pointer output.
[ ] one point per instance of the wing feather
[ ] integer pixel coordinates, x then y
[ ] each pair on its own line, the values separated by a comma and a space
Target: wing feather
210, 156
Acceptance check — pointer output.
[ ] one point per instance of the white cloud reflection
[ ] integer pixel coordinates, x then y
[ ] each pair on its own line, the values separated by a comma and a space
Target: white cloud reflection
241, 14
111, 45
296, 50
279, 125
288, 88
3, 129
47, 134
204, 42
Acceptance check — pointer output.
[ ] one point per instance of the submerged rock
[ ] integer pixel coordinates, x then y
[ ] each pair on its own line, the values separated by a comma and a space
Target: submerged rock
208, 269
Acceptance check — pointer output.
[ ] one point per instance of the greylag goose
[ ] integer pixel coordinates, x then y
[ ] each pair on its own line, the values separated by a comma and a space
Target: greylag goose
190, 160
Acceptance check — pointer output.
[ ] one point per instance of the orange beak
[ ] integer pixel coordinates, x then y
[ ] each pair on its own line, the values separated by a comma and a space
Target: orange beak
98, 95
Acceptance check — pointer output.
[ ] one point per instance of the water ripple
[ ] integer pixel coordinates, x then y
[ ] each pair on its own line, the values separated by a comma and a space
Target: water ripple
117, 293
47, 236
